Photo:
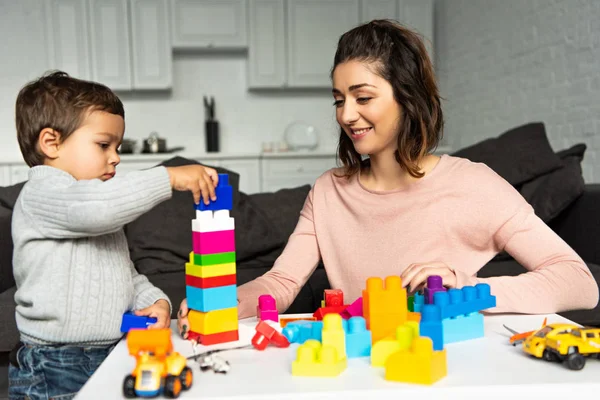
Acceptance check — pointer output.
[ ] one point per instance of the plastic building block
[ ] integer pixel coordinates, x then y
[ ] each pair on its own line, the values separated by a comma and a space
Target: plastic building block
334, 297
333, 334
215, 338
434, 284
301, 331
419, 364
321, 312
224, 193
266, 310
463, 327
132, 321
211, 299
384, 308
411, 303
384, 348
207, 323
353, 310
358, 338
413, 316
283, 321
206, 260
418, 302
466, 300
210, 271
206, 283
431, 325
212, 221
266, 334
213, 242
314, 359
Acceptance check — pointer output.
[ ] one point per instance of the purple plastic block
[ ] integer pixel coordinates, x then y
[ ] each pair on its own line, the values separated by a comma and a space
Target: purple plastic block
353, 310
267, 308
434, 284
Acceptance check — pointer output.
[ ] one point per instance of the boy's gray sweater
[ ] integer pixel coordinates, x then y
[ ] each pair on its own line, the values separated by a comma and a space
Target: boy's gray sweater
71, 261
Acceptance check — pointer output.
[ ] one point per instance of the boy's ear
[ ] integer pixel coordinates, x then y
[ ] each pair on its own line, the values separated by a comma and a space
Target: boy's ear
49, 142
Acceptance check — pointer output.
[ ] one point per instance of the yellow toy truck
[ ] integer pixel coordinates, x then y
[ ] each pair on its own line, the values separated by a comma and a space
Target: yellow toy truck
535, 344
573, 348
158, 368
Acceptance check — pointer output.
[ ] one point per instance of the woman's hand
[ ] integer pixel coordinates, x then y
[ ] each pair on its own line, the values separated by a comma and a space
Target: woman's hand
415, 276
182, 321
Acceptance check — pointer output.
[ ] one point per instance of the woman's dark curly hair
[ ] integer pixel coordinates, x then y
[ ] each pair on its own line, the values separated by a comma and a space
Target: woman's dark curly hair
398, 55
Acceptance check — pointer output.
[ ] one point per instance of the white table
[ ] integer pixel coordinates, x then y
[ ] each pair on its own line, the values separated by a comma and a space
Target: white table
477, 369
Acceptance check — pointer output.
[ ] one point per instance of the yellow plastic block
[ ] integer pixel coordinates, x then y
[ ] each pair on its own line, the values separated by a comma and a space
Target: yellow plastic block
420, 364
384, 308
333, 334
314, 359
217, 321
384, 348
210, 271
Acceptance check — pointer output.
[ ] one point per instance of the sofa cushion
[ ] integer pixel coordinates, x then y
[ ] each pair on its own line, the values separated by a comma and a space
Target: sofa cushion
8, 198
551, 193
518, 155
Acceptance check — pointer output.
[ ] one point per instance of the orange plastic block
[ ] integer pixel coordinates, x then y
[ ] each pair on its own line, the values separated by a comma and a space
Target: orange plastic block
333, 334
384, 348
284, 321
215, 338
207, 323
384, 308
420, 364
413, 316
157, 341
314, 359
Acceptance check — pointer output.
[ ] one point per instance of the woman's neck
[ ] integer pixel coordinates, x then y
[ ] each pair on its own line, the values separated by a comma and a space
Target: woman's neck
384, 173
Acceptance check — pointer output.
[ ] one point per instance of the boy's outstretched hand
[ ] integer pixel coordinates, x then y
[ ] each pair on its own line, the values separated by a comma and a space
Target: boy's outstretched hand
159, 310
198, 179
182, 320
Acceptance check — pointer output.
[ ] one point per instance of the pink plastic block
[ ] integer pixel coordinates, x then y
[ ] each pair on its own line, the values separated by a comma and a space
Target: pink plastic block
267, 308
213, 242
353, 310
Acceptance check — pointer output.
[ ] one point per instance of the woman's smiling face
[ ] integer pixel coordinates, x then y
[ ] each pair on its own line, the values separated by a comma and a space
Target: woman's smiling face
366, 108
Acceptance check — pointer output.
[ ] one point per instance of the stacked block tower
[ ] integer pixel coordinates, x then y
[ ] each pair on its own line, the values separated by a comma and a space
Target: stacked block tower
211, 272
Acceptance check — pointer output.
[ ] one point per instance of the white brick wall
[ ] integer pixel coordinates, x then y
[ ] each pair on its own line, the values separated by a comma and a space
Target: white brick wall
502, 63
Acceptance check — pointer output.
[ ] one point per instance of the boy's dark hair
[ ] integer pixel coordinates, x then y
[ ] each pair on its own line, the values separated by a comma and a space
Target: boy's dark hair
60, 102
399, 56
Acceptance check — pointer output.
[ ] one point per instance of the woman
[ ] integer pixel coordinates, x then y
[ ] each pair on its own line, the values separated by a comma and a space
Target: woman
405, 211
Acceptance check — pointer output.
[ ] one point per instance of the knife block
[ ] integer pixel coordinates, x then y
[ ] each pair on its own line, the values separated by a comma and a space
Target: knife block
212, 136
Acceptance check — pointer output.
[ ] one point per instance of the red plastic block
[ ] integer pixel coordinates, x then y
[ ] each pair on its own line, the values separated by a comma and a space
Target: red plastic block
334, 298
213, 242
205, 283
215, 338
321, 312
266, 334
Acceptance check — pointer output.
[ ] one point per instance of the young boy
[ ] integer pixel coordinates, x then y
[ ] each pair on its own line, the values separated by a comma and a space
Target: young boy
71, 261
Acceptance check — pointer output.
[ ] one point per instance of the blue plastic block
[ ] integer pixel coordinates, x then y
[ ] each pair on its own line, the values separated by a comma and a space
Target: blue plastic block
464, 301
300, 331
358, 338
419, 302
211, 299
132, 321
463, 327
431, 325
224, 193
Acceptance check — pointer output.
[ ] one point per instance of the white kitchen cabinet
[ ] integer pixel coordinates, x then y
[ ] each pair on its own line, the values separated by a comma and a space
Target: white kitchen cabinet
279, 172
109, 35
152, 57
313, 30
267, 47
378, 9
249, 171
4, 175
208, 24
67, 37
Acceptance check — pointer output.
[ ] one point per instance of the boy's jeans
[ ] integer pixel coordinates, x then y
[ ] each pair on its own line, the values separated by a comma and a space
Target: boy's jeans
52, 372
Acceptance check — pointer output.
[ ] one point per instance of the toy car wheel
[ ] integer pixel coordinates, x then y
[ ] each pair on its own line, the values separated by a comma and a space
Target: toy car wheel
172, 387
129, 387
549, 356
575, 361
186, 378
